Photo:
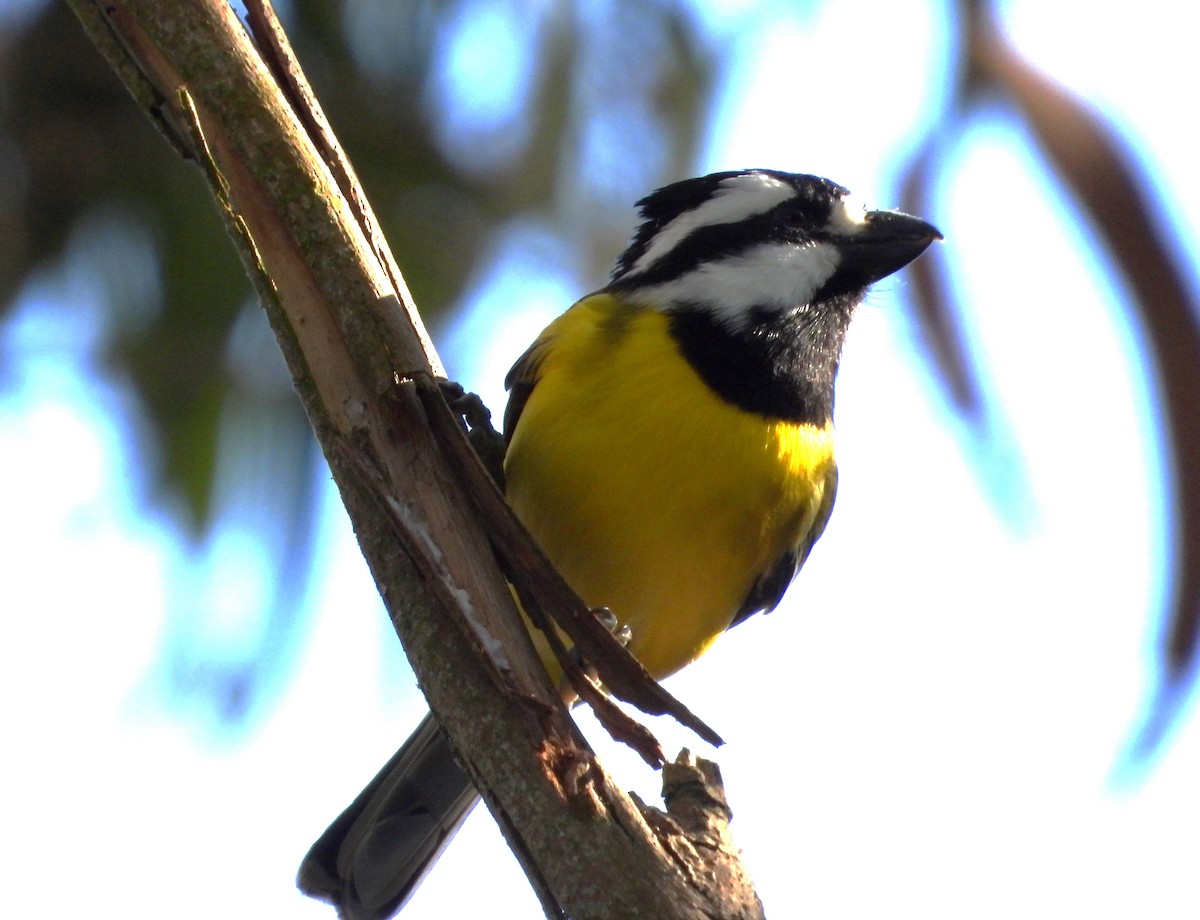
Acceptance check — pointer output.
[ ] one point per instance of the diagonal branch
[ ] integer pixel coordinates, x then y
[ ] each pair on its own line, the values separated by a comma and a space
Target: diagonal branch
354, 345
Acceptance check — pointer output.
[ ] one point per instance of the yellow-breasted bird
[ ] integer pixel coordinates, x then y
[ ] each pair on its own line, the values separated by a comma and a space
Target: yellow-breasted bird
670, 447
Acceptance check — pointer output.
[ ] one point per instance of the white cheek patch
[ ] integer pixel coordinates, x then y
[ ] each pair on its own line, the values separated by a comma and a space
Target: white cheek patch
737, 198
849, 217
773, 275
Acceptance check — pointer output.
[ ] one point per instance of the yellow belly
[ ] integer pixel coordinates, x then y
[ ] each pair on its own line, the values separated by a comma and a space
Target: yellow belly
650, 494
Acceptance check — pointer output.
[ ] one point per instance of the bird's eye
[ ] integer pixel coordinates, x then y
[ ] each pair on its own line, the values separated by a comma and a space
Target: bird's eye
793, 212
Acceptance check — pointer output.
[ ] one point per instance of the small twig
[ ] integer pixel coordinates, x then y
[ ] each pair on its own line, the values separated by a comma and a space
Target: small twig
695, 831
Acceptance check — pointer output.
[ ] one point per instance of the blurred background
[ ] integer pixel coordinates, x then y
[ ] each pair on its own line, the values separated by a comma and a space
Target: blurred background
975, 701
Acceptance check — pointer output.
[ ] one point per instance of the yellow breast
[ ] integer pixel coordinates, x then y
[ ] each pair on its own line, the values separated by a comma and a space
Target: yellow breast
651, 495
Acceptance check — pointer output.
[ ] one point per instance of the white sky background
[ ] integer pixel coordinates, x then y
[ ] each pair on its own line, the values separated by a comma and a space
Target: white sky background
930, 723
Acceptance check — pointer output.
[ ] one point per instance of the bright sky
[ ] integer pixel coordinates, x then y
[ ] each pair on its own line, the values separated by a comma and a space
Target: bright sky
929, 724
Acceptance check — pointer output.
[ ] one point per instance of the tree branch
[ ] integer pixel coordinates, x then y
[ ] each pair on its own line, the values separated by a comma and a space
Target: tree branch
357, 353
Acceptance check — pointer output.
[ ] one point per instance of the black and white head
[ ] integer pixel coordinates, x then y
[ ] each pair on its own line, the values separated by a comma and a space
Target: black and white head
760, 272
738, 243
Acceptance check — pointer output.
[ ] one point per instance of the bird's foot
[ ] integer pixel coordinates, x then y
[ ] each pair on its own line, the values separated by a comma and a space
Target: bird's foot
476, 420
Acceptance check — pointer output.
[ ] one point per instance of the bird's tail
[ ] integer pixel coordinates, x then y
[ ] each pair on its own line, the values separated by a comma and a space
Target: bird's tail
371, 859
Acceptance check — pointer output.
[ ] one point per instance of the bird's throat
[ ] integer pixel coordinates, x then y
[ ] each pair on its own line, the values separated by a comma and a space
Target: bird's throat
778, 364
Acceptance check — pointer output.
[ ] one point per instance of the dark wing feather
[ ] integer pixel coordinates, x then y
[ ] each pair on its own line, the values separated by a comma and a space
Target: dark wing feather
520, 381
769, 589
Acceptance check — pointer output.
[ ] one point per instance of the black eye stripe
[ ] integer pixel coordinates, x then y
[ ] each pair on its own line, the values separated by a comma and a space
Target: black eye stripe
809, 208
798, 223
705, 244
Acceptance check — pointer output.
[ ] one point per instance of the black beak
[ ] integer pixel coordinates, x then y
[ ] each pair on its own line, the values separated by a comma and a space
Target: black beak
883, 244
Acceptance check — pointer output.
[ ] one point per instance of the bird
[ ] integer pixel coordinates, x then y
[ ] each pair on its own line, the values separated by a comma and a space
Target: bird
669, 444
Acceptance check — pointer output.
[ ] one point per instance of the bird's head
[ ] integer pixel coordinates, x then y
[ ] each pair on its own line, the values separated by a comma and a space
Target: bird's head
759, 240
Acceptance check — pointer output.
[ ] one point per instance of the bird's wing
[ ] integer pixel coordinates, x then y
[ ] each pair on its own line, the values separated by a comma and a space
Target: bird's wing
769, 588
522, 378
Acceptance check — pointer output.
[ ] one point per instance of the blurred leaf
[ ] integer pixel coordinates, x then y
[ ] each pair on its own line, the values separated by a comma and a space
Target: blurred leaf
934, 302
1093, 163
84, 148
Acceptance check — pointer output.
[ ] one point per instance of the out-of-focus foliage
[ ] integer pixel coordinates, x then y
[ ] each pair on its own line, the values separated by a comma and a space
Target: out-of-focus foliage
87, 164
441, 185
222, 433
1094, 166
463, 118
